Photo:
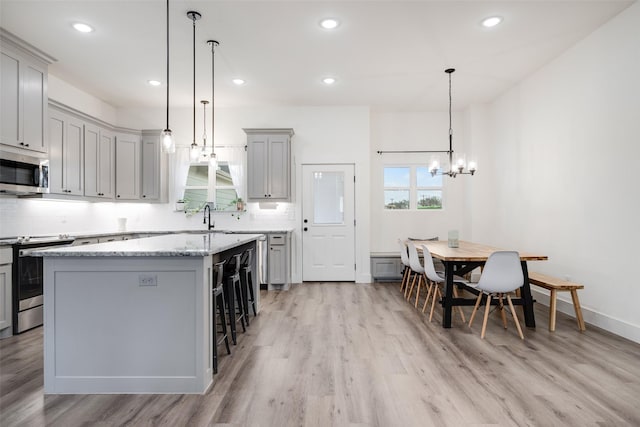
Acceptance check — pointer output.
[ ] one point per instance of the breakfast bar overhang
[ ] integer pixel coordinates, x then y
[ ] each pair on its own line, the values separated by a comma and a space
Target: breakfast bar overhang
133, 316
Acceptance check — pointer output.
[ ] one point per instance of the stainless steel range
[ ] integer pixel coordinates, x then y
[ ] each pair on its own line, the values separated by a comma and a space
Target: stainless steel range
28, 280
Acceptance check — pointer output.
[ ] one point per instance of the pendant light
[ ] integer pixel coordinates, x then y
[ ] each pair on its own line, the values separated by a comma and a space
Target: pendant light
205, 150
195, 150
213, 44
457, 166
168, 143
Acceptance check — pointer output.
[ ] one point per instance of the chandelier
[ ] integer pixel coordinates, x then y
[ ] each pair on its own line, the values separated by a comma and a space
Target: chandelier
457, 164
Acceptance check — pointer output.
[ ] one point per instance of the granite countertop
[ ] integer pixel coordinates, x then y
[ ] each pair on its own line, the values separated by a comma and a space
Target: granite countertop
8, 241
186, 244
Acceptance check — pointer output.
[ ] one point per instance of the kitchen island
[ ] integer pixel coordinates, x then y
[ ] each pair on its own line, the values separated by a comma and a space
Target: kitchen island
133, 316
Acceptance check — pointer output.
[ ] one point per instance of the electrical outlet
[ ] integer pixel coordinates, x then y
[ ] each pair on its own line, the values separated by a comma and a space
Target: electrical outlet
148, 280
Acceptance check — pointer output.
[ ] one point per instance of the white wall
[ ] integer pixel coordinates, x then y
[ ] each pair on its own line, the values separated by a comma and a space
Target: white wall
415, 131
559, 171
61, 91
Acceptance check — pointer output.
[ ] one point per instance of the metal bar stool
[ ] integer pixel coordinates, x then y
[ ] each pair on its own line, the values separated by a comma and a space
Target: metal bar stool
218, 302
233, 295
246, 276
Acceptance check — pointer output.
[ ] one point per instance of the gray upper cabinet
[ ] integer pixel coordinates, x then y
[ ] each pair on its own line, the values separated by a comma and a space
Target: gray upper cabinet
66, 164
152, 183
92, 160
23, 94
128, 166
99, 162
269, 164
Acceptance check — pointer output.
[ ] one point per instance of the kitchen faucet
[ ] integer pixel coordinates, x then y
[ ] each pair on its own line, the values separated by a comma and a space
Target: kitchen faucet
207, 217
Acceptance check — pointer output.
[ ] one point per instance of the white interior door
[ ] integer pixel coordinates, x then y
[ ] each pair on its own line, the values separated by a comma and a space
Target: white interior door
328, 223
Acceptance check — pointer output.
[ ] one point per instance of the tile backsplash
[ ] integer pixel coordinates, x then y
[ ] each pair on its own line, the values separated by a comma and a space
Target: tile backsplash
50, 217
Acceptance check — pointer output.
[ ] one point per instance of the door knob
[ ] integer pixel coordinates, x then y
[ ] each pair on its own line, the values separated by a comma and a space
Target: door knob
305, 229
305, 221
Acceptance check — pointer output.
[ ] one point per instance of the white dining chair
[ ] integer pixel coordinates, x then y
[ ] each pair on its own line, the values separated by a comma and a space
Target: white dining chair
406, 272
502, 274
435, 281
418, 274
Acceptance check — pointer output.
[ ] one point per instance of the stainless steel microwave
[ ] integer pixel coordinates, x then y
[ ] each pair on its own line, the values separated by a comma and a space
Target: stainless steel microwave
21, 174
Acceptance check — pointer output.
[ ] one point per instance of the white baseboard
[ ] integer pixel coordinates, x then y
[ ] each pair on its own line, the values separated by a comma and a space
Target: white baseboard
364, 278
593, 317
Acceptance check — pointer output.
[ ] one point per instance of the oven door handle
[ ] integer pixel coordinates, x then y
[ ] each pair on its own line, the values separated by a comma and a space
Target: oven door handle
29, 252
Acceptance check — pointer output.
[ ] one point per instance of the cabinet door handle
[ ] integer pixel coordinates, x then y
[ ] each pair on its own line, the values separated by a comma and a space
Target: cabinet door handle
144, 195
26, 145
305, 229
118, 196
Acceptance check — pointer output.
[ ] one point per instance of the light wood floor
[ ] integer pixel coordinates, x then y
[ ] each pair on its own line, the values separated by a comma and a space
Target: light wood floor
344, 354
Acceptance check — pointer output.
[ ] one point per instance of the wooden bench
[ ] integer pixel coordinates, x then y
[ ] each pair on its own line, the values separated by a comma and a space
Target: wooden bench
554, 285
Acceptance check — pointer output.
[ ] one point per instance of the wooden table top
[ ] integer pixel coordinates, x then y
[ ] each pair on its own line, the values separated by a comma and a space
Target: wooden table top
468, 251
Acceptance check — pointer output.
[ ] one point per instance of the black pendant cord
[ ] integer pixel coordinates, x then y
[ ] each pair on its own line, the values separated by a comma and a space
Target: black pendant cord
450, 125
194, 79
213, 91
167, 127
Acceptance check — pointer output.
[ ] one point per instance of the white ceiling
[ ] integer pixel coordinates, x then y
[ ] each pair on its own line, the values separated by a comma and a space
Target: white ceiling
389, 55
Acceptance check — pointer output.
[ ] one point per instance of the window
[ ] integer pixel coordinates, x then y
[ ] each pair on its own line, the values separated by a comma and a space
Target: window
222, 185
226, 191
397, 187
411, 187
196, 190
428, 189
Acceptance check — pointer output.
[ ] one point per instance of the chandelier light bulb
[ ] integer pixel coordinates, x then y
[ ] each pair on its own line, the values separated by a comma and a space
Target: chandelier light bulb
473, 166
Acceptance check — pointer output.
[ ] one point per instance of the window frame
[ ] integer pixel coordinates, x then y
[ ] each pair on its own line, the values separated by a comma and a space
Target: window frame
413, 188
211, 187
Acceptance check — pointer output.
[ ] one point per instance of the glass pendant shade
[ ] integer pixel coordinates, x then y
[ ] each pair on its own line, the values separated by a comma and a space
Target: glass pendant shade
194, 152
168, 143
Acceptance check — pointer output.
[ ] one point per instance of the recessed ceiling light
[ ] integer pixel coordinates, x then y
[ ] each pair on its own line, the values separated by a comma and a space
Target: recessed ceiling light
154, 82
328, 80
83, 28
329, 23
238, 82
492, 21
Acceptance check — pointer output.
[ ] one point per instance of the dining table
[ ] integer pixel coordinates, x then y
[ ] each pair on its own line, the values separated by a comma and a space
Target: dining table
463, 259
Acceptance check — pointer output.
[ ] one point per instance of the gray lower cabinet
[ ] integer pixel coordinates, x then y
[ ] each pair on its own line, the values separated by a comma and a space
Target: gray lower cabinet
278, 259
386, 267
6, 256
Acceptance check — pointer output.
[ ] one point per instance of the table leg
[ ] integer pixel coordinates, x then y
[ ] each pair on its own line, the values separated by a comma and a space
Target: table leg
527, 299
448, 295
